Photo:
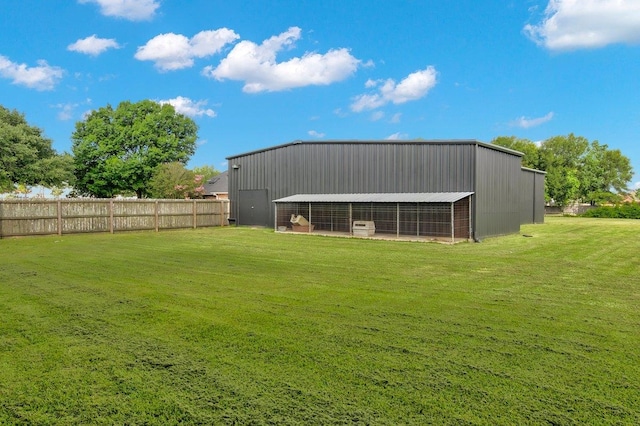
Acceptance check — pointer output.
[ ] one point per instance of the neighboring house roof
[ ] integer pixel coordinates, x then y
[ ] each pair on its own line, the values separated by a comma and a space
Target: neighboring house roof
430, 197
217, 184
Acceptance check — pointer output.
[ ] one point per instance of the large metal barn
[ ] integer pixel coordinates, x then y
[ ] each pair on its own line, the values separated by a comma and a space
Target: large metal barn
332, 184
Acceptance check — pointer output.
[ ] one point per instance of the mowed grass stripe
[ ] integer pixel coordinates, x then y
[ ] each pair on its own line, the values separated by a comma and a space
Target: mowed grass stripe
242, 325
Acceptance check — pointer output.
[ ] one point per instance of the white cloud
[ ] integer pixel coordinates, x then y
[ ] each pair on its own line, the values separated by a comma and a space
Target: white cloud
41, 77
526, 122
188, 107
133, 10
576, 24
396, 118
93, 45
256, 65
315, 134
107, 77
340, 113
66, 111
415, 86
377, 115
396, 136
363, 102
174, 51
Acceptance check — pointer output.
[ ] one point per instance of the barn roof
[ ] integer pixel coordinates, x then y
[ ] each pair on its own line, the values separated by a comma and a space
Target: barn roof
396, 197
387, 142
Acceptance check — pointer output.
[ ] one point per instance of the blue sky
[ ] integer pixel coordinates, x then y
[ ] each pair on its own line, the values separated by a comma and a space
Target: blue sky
253, 74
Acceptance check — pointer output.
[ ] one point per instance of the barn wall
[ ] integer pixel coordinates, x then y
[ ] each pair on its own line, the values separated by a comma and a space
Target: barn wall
352, 167
531, 196
527, 196
539, 201
497, 200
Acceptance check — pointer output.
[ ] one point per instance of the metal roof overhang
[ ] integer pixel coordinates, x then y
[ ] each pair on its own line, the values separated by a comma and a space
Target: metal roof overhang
396, 197
386, 142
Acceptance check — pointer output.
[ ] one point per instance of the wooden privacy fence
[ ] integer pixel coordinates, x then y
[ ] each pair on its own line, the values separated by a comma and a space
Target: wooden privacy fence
69, 216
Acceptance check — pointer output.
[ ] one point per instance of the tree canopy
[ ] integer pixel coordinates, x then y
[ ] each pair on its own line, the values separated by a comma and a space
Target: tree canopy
173, 180
531, 158
576, 168
118, 150
206, 171
27, 157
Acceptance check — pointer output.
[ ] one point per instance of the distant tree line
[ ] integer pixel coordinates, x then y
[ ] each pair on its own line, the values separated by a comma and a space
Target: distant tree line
26, 156
576, 169
142, 149
136, 149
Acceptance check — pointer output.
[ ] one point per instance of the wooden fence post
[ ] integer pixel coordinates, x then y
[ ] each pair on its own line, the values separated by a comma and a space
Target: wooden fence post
195, 214
59, 206
1, 217
156, 216
111, 216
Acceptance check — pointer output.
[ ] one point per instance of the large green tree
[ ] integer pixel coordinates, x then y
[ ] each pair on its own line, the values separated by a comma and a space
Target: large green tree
576, 168
27, 157
581, 170
563, 151
561, 157
118, 150
172, 180
603, 170
531, 158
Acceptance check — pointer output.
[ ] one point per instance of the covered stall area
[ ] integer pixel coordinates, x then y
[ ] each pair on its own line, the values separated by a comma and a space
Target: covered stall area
441, 216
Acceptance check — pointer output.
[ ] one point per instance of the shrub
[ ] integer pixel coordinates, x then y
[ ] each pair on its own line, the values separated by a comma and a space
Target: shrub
620, 211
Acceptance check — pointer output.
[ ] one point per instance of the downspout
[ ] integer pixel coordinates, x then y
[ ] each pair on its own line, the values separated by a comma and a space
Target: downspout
470, 227
534, 197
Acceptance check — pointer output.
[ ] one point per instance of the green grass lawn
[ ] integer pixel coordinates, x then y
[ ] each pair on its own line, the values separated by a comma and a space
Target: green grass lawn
246, 326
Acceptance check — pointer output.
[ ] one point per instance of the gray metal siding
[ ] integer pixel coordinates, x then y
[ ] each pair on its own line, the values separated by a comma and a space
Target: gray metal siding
532, 196
539, 200
527, 203
497, 201
376, 167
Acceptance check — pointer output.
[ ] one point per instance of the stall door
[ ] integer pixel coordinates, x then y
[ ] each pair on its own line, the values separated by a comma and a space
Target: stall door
253, 207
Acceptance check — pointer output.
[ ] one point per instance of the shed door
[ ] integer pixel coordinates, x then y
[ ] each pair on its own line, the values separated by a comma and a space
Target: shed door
253, 207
